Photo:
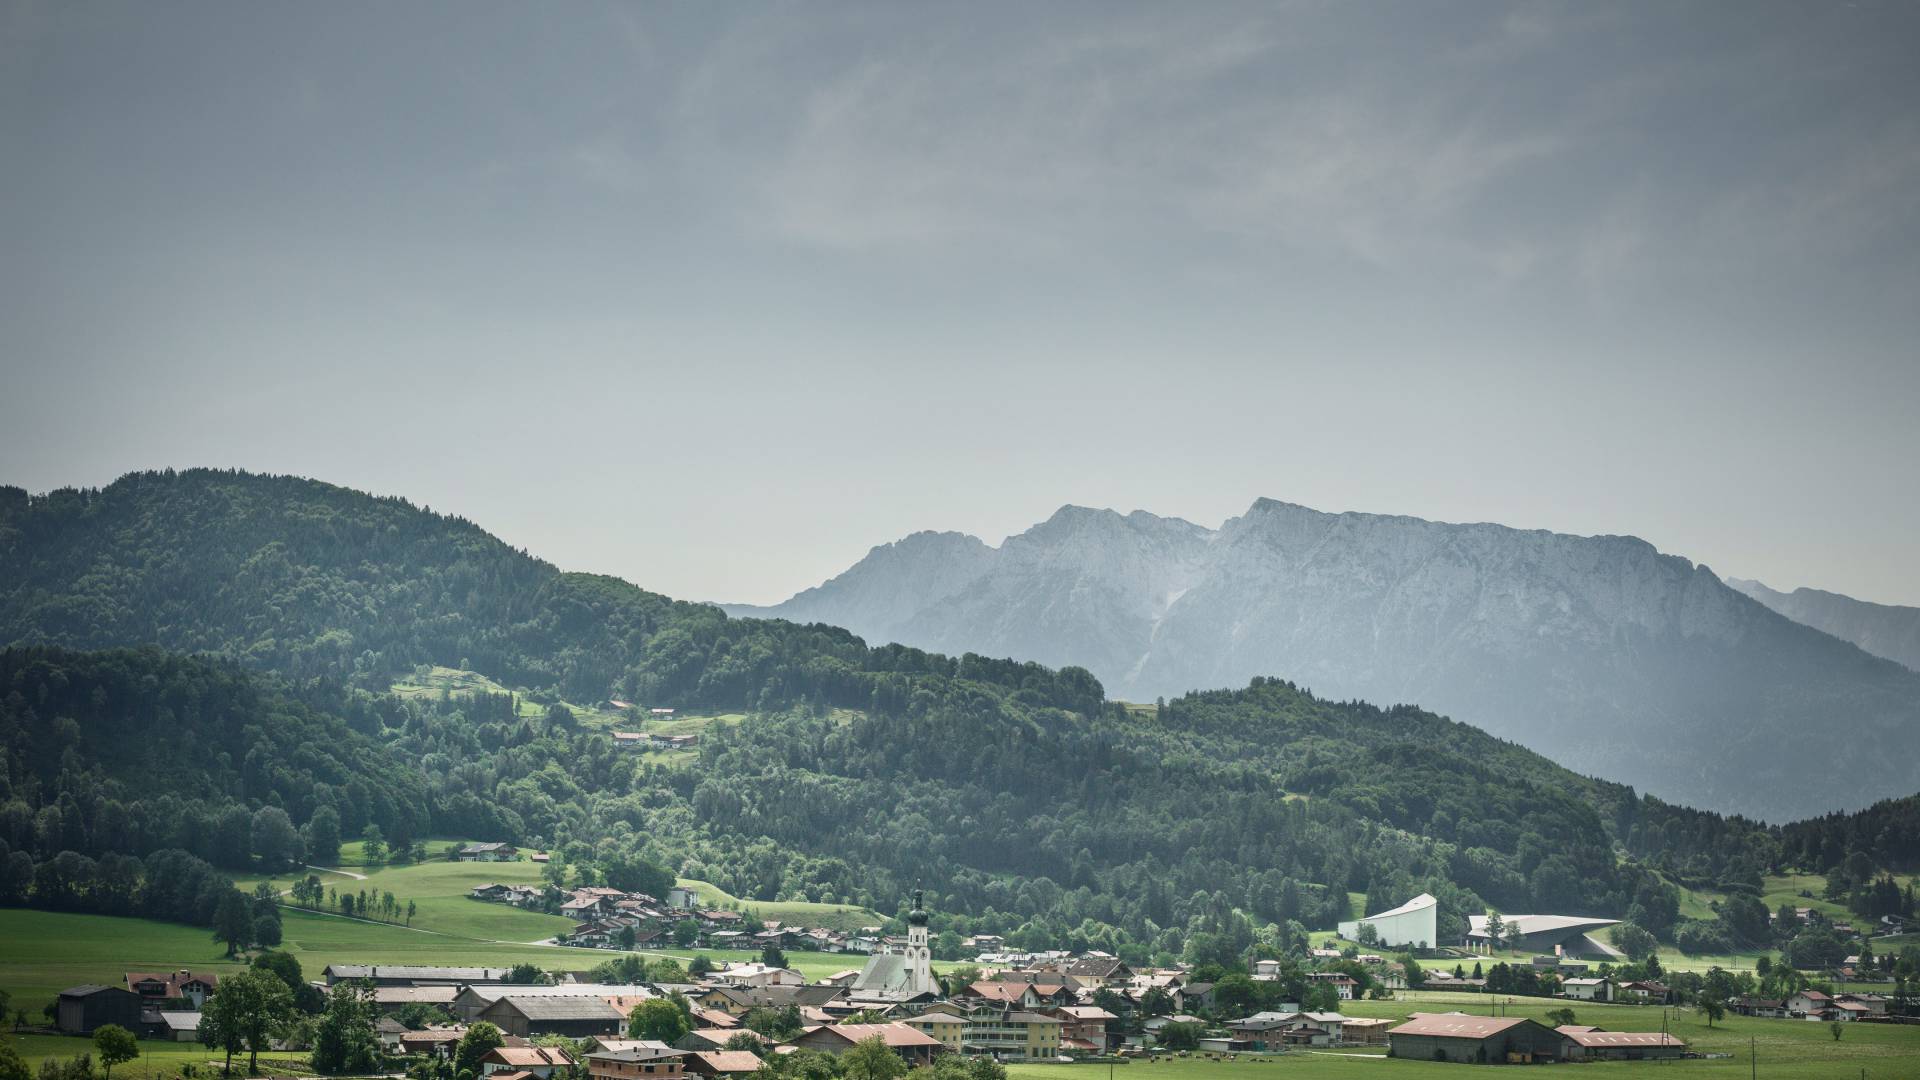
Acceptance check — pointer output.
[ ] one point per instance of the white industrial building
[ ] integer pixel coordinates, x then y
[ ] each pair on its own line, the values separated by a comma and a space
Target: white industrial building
1415, 923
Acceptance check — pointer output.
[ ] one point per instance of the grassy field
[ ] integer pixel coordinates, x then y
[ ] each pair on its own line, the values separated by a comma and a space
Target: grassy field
42, 953
794, 912
432, 682
1786, 1048
440, 889
45, 952
157, 1059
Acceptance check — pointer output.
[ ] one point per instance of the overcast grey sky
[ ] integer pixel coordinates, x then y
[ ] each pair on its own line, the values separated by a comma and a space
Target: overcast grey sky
717, 296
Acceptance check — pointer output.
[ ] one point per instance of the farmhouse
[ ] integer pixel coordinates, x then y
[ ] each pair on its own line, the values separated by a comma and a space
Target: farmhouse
1587, 989
490, 852
1097, 971
182, 985
1481, 1040
1808, 1005
540, 1061
722, 1062
916, 1048
1768, 1007
439, 1041
1645, 990
1342, 983
636, 1064
1083, 1028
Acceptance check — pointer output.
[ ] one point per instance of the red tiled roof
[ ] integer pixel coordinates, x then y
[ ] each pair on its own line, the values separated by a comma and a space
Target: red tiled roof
896, 1035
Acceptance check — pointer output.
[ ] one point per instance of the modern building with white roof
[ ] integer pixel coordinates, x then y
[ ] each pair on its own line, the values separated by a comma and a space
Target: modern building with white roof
1566, 935
1414, 923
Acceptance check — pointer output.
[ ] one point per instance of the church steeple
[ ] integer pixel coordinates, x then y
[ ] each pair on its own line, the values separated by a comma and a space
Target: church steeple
919, 952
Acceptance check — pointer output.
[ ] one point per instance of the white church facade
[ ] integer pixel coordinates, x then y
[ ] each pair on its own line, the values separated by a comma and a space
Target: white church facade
903, 975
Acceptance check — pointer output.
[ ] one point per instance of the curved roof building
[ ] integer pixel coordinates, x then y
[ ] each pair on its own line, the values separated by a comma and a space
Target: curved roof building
1568, 935
1414, 923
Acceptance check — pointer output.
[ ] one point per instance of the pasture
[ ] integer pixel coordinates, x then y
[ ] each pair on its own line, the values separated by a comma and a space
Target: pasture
1785, 1048
158, 1059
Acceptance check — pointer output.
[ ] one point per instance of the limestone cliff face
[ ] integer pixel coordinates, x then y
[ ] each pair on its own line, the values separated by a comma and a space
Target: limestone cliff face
1599, 651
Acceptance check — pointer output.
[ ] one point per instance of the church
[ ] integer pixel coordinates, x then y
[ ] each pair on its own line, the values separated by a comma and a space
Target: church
902, 976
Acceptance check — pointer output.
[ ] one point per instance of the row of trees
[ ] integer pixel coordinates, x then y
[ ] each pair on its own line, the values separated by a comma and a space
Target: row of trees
312, 893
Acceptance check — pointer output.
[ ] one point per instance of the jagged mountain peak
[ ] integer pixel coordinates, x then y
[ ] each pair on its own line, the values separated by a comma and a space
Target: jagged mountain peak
1885, 630
1589, 648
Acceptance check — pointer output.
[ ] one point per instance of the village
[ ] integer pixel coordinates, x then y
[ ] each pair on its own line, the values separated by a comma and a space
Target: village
1005, 1006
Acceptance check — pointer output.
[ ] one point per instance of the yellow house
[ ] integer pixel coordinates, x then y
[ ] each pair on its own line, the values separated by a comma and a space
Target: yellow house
950, 1029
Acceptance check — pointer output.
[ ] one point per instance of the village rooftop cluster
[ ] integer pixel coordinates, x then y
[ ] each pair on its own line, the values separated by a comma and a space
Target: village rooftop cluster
1011, 1007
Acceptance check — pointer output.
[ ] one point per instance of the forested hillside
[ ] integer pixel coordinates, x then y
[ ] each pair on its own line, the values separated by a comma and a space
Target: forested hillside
1017, 793
132, 751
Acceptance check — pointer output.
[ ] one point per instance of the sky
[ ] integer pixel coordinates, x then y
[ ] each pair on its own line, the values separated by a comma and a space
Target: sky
715, 297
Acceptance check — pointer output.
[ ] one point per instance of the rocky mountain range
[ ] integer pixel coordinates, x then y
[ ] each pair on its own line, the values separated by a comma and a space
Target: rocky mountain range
1602, 652
1885, 630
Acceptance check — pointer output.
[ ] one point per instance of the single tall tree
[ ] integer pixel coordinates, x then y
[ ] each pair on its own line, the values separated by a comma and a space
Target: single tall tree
323, 837
345, 1040
872, 1059
243, 1011
113, 1044
480, 1039
656, 1019
233, 921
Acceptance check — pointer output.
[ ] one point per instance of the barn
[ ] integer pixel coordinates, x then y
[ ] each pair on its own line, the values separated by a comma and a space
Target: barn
1480, 1040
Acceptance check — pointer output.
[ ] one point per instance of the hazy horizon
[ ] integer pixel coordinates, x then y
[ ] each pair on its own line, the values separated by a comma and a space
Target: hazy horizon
718, 298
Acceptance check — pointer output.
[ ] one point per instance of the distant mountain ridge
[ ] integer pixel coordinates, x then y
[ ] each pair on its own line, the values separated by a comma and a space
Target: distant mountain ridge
1601, 652
1885, 630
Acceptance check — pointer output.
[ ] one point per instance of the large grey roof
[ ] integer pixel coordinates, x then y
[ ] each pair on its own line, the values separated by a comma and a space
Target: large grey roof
413, 971
561, 1008
885, 972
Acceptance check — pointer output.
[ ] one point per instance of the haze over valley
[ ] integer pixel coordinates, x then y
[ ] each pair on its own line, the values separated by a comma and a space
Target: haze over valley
1592, 650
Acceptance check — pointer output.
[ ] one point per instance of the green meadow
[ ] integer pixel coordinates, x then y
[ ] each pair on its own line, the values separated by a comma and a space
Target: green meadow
157, 1059
792, 912
440, 889
44, 952
1785, 1048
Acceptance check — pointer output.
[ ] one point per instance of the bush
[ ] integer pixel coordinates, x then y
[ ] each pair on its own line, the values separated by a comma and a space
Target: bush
1696, 936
